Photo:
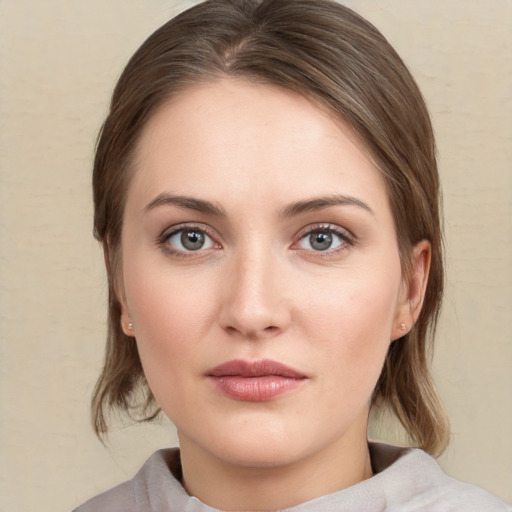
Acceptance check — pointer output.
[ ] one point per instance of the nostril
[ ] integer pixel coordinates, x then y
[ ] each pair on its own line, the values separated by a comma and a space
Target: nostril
252, 333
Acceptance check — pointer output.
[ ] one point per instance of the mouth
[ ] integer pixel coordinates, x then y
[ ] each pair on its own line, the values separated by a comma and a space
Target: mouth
255, 381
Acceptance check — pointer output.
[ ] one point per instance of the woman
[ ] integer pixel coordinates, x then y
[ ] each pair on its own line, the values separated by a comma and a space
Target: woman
266, 194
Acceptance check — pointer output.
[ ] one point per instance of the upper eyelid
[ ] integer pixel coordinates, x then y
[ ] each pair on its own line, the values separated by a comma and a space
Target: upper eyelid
327, 226
182, 226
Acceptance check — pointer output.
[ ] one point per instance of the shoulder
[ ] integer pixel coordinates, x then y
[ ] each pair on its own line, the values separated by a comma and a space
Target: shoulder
153, 486
413, 481
117, 499
453, 496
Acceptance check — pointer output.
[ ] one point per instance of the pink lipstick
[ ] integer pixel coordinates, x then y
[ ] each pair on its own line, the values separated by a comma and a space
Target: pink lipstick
255, 381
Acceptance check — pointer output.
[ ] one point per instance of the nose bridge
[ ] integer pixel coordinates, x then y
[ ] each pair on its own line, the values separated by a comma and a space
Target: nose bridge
254, 303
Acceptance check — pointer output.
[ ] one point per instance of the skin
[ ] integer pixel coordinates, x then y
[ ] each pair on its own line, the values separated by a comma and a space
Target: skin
258, 289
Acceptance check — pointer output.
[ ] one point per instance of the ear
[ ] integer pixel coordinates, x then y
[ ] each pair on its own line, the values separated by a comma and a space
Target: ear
412, 292
116, 287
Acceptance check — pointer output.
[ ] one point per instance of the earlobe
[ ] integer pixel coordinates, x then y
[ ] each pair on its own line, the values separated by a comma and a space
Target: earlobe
116, 287
127, 327
413, 290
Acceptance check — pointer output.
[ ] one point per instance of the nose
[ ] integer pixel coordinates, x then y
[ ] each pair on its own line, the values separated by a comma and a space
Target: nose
254, 302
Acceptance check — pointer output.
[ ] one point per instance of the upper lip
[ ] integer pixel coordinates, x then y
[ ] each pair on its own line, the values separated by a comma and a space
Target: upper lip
259, 368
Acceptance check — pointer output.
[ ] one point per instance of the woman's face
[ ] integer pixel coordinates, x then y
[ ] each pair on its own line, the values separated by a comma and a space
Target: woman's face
261, 273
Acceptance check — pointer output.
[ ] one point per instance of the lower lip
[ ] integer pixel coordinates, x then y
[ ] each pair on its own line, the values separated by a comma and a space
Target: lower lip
255, 389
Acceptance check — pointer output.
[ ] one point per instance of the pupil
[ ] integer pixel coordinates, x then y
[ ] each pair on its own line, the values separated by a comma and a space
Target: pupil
192, 240
320, 241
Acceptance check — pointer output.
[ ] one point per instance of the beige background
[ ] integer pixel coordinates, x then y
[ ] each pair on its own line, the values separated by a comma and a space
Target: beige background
58, 63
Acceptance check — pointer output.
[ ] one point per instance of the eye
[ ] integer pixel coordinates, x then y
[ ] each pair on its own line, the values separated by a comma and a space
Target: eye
188, 240
323, 239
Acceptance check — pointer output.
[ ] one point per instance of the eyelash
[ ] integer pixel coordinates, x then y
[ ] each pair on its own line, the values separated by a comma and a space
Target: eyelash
345, 237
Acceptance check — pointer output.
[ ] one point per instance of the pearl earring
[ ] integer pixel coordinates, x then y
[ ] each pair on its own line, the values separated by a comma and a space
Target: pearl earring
403, 327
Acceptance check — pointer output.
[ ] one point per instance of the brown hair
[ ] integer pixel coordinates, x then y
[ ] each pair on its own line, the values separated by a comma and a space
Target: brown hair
331, 55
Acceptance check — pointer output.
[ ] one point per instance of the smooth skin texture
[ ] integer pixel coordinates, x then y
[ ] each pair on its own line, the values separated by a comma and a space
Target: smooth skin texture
256, 227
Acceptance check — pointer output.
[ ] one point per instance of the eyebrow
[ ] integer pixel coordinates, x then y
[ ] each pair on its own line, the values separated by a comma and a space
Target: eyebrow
189, 203
319, 203
292, 210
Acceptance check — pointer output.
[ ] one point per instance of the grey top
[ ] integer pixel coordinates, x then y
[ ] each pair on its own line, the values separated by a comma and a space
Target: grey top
405, 480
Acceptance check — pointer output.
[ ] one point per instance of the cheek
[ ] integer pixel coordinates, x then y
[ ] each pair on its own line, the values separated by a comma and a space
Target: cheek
166, 343
353, 325
155, 309
172, 314
166, 304
360, 307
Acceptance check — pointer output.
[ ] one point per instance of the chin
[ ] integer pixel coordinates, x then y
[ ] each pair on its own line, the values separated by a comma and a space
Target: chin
260, 454
264, 444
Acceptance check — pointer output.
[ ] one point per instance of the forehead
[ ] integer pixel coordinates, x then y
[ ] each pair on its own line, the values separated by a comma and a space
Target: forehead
234, 135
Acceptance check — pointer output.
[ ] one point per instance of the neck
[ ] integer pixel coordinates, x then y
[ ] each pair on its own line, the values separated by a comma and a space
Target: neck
230, 487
